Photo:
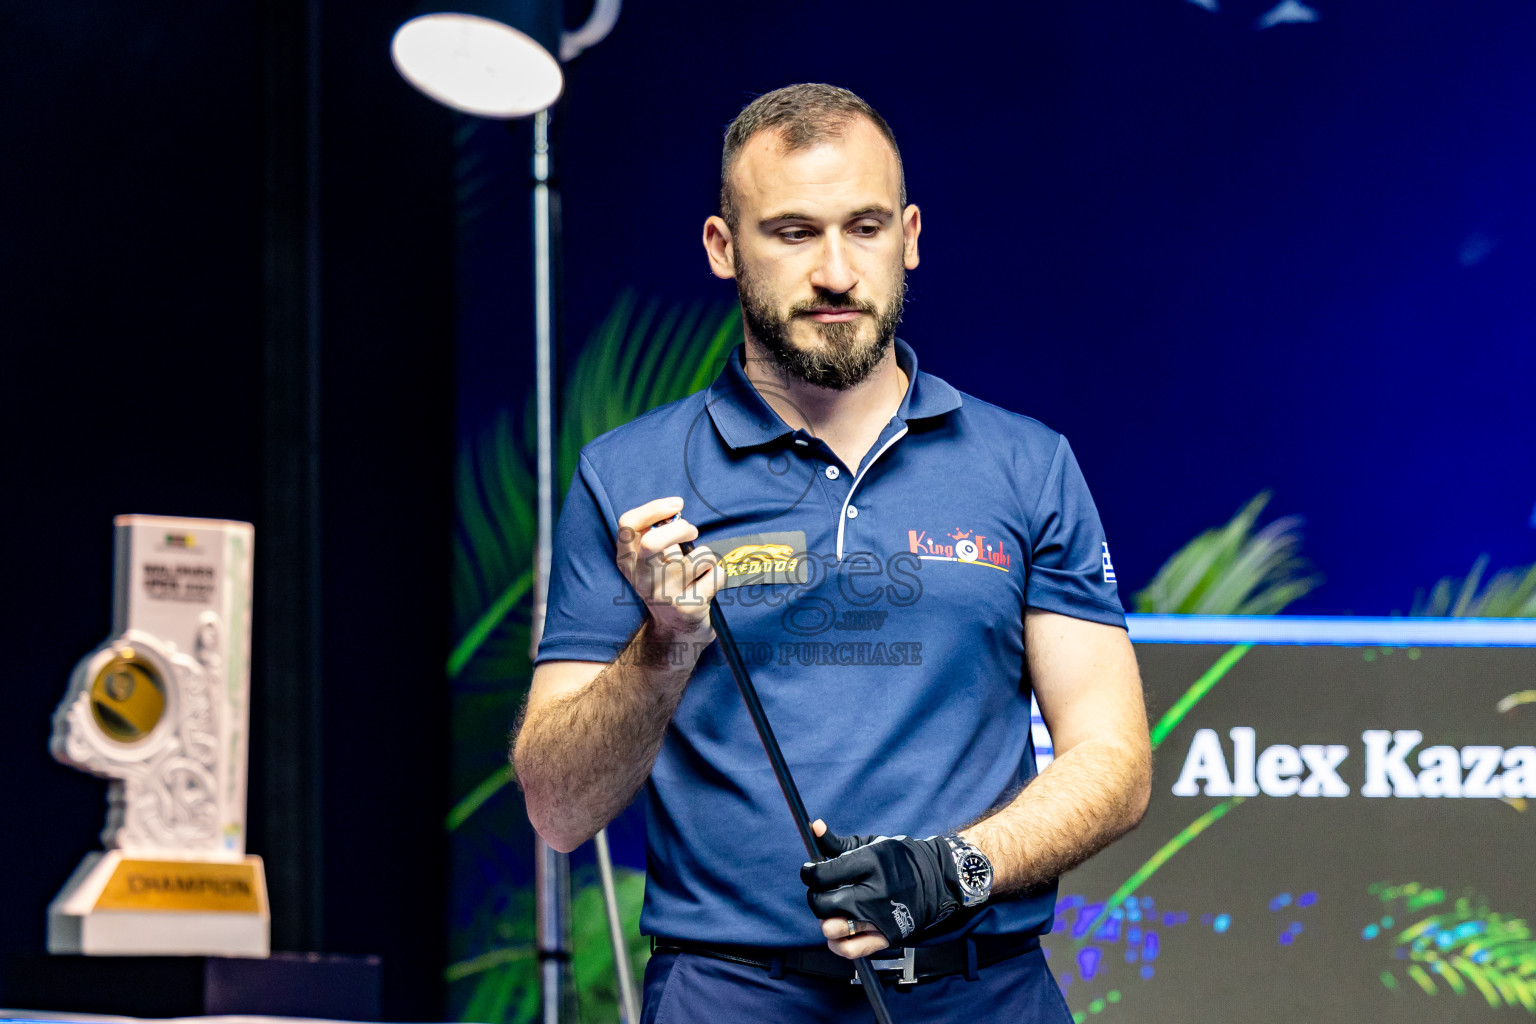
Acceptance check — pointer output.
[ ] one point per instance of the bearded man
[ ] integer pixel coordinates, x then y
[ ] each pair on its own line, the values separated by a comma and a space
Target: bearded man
904, 566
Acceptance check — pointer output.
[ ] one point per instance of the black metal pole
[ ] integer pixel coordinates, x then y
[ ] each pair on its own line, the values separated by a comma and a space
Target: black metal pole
797, 810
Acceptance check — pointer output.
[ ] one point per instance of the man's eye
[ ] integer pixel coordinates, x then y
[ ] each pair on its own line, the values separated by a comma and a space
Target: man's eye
867, 230
795, 234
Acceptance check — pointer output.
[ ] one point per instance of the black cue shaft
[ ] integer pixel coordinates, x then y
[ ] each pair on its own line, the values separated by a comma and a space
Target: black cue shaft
862, 966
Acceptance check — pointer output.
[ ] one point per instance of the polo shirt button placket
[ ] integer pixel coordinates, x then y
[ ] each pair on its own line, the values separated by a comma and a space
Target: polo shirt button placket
850, 510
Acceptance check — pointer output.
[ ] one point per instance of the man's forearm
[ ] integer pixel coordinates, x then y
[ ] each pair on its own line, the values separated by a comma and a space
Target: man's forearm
1085, 799
581, 758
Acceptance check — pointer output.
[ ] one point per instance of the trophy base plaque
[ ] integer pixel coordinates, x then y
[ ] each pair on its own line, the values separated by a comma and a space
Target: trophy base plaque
116, 905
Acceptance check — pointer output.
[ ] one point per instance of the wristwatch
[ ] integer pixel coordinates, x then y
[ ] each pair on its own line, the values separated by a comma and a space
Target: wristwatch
973, 870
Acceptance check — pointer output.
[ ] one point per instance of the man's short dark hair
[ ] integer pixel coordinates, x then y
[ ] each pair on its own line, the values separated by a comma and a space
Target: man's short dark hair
803, 115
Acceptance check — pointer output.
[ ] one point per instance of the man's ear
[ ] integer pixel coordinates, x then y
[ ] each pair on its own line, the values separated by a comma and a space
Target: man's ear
911, 227
719, 247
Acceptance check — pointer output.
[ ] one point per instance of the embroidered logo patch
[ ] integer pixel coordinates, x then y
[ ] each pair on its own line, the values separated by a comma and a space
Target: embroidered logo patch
762, 558
903, 918
960, 546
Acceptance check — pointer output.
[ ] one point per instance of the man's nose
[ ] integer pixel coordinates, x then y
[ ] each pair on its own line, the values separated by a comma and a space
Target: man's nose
834, 271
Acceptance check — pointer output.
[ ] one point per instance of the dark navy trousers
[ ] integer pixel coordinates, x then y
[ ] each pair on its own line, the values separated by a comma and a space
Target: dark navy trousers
685, 988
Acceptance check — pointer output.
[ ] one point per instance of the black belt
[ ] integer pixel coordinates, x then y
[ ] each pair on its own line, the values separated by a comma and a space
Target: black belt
910, 966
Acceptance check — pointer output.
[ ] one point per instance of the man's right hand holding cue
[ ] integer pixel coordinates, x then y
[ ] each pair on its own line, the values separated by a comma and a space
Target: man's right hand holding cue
591, 731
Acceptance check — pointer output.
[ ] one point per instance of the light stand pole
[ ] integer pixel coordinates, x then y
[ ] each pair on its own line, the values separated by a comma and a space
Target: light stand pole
492, 58
552, 869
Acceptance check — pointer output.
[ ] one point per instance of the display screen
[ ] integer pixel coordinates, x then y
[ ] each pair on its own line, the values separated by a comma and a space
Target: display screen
1335, 834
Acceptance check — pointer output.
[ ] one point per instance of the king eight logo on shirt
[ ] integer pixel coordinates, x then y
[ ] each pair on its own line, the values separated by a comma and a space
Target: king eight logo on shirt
960, 545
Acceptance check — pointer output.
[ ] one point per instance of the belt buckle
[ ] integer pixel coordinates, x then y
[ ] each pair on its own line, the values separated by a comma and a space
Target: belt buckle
907, 965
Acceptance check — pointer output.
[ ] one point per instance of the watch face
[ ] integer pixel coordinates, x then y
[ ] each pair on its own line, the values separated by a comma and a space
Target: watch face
975, 873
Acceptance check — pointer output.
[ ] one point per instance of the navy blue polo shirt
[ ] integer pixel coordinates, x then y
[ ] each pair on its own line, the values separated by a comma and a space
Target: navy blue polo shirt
880, 608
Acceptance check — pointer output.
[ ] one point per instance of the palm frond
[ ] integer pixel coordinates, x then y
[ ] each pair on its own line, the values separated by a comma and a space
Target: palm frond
503, 982
640, 357
1510, 594
592, 949
496, 981
492, 565
1233, 570
1478, 954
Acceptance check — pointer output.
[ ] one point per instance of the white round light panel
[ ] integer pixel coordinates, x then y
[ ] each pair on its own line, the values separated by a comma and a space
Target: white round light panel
476, 65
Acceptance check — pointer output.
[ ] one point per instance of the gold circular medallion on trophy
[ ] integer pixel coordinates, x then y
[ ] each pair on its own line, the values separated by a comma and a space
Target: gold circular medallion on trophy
127, 697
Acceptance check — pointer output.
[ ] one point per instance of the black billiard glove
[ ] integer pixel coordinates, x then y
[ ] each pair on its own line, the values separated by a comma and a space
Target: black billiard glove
899, 885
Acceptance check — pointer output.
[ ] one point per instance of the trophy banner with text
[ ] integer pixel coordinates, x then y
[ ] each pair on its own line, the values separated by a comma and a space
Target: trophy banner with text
1335, 833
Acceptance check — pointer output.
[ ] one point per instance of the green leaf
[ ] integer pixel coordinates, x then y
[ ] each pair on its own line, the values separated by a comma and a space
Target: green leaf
492, 997
1233, 570
478, 796
496, 979
1510, 594
488, 961
592, 948
493, 544
487, 623
638, 359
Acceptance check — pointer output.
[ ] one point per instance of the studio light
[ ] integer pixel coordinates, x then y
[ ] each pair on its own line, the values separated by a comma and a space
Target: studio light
491, 59
501, 59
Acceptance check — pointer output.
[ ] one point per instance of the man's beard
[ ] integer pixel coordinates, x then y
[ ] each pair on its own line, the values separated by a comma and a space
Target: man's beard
839, 362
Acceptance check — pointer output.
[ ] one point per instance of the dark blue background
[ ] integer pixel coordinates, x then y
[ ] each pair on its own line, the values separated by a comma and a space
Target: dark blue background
1219, 258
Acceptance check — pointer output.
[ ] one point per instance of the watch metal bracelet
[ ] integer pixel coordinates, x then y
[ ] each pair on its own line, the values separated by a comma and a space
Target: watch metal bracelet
973, 870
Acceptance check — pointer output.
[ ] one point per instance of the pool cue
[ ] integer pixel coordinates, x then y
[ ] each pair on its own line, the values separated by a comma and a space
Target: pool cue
861, 966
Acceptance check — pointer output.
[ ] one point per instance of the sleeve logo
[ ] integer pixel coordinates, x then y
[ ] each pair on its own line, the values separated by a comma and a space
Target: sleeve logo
1109, 567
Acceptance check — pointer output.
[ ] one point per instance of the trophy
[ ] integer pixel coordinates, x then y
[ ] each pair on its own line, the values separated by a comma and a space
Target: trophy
161, 710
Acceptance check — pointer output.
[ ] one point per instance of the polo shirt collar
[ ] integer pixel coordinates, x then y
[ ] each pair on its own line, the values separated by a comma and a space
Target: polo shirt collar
745, 420
927, 396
